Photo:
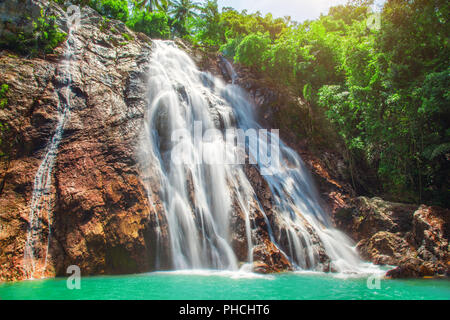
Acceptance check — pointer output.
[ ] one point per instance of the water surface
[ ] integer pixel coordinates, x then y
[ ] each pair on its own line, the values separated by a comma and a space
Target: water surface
226, 285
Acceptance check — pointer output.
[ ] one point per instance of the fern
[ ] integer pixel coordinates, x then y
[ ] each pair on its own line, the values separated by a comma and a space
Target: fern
307, 92
435, 151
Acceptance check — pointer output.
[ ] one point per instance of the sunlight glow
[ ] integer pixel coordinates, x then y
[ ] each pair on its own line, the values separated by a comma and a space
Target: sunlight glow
299, 10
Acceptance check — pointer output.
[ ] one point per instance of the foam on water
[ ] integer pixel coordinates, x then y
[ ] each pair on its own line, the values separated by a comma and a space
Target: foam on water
239, 274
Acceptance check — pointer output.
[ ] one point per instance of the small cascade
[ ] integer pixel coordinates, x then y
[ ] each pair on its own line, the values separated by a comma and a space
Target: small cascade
229, 69
189, 163
41, 205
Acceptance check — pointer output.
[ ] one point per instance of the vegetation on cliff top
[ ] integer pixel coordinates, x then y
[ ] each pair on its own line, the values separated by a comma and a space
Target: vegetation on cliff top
382, 86
43, 38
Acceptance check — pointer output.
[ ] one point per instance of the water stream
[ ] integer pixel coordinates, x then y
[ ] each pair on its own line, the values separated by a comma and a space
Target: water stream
41, 204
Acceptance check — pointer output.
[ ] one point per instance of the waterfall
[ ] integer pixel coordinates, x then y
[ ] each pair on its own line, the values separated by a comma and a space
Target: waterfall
187, 163
41, 205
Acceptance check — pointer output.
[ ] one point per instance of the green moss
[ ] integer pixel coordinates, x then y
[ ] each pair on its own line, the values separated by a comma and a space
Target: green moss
104, 24
3, 99
127, 36
44, 38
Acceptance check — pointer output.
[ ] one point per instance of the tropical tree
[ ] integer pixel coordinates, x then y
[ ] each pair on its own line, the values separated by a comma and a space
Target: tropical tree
152, 5
153, 24
181, 10
208, 28
112, 9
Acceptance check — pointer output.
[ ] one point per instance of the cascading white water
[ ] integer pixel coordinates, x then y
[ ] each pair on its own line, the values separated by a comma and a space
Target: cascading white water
39, 232
198, 192
198, 222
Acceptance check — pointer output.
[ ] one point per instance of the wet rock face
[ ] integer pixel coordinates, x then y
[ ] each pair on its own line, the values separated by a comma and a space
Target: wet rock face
267, 258
413, 238
411, 267
101, 219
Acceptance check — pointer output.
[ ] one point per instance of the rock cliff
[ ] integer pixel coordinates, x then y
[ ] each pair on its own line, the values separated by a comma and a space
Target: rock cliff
102, 218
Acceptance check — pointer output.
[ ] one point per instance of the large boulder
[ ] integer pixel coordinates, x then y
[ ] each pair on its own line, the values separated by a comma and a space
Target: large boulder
413, 238
429, 237
413, 268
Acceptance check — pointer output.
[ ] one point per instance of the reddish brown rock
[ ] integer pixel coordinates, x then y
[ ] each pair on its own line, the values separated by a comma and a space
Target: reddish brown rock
429, 236
364, 217
101, 218
269, 259
412, 268
386, 232
384, 248
430, 233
